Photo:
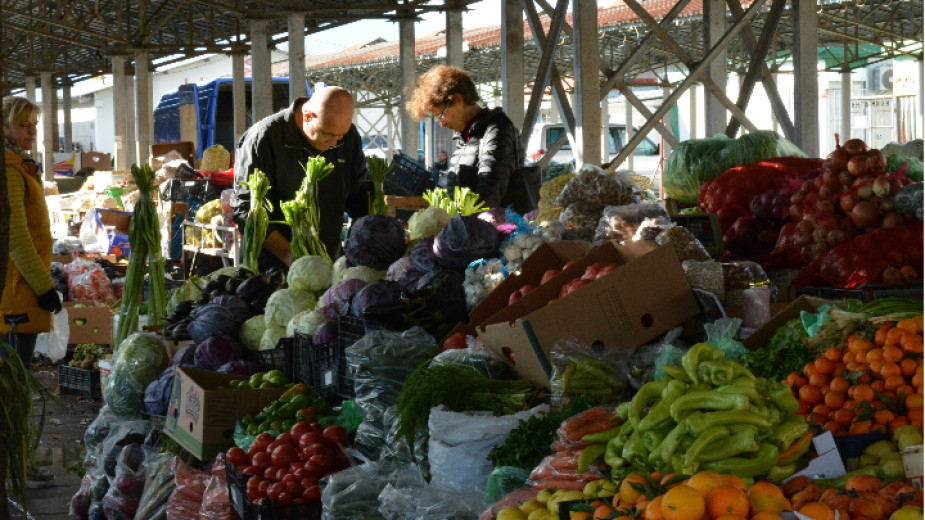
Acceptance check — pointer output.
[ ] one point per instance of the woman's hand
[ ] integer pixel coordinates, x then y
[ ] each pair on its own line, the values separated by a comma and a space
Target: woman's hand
50, 301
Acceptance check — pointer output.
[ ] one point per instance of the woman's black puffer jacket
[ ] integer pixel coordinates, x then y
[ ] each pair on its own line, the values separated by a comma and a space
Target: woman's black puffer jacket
486, 161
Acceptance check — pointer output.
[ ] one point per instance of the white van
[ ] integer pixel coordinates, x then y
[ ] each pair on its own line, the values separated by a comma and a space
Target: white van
645, 157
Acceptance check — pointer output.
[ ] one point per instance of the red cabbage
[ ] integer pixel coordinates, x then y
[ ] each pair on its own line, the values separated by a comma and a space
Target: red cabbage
184, 356
236, 304
337, 297
325, 333
213, 320
448, 296
157, 395
422, 255
240, 367
464, 239
403, 272
375, 241
376, 293
215, 351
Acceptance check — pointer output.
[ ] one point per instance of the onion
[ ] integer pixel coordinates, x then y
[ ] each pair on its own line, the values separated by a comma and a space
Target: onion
881, 185
896, 184
798, 197
848, 201
859, 165
877, 160
805, 227
845, 178
804, 239
821, 234
909, 273
862, 186
855, 146
809, 186
838, 159
811, 198
826, 192
892, 220
892, 275
825, 207
818, 248
865, 214
836, 237
886, 203
796, 211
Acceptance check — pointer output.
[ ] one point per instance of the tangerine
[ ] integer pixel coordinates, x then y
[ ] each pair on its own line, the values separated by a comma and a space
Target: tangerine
683, 503
818, 511
767, 497
727, 500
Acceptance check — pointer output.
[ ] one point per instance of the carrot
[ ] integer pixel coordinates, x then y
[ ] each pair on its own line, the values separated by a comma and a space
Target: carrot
560, 484
562, 446
593, 426
796, 446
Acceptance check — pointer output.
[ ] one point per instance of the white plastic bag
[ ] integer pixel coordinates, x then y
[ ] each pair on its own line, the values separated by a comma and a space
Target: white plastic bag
93, 234
53, 344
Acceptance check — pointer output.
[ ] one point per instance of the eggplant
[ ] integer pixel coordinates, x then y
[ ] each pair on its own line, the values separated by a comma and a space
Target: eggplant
242, 273
259, 302
232, 285
183, 308
250, 288
217, 284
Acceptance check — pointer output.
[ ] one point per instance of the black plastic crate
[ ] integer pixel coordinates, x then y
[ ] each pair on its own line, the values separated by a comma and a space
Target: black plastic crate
867, 292
317, 365
247, 510
280, 358
83, 380
407, 177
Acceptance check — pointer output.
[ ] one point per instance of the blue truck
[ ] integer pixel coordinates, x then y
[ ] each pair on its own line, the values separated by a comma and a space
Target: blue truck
213, 103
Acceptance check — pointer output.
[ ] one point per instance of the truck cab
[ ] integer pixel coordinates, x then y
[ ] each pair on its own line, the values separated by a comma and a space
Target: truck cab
646, 156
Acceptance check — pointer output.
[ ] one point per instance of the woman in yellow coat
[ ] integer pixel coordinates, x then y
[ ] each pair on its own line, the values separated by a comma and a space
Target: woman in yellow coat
29, 296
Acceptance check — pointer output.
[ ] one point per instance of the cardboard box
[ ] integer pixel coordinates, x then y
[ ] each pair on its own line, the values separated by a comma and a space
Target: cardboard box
642, 299
828, 463
912, 463
201, 414
66, 163
95, 327
96, 160
762, 335
120, 220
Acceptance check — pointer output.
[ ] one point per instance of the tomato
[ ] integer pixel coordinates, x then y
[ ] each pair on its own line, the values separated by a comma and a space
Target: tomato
236, 456
261, 459
272, 446
284, 438
526, 289
308, 482
298, 429
283, 455
606, 270
457, 340
254, 483
293, 488
513, 297
269, 473
274, 490
335, 436
323, 462
288, 477
316, 427
312, 494
548, 275
299, 473
312, 449
285, 498
251, 494
263, 440
262, 488
307, 439
251, 470
573, 286
254, 449
297, 463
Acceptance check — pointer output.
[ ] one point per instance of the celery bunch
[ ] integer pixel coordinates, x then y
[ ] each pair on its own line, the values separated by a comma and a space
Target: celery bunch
463, 202
378, 169
258, 219
301, 213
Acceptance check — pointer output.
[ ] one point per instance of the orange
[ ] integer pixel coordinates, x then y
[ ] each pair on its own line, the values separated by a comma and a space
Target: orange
834, 354
908, 324
654, 509
911, 343
878, 386
824, 365
734, 481
861, 484
892, 383
683, 503
705, 481
894, 336
892, 354
914, 401
818, 511
812, 395
627, 491
897, 422
765, 516
880, 336
795, 484
890, 368
730, 517
579, 515
764, 497
860, 344
727, 500
843, 417
908, 366
883, 416
602, 512
876, 365
833, 427
819, 379
874, 354
863, 392
859, 427
834, 400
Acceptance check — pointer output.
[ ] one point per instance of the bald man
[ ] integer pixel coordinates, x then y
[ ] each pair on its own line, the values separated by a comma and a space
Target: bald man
280, 146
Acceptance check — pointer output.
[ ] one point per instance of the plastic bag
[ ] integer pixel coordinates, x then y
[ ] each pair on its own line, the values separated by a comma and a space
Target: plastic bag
430, 502
159, 485
186, 499
707, 276
460, 443
478, 357
684, 242
650, 228
353, 493
99, 487
93, 234
621, 222
743, 274
122, 499
646, 360
592, 189
578, 368
560, 471
503, 480
721, 334
122, 434
81, 501
53, 344
216, 501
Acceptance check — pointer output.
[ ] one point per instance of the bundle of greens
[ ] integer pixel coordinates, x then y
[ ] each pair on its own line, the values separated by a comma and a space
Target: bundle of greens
301, 213
463, 202
144, 235
378, 169
258, 219
461, 388
786, 352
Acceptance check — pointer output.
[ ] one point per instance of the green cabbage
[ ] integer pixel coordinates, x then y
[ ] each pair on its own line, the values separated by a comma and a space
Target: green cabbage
191, 290
310, 273
360, 272
305, 323
271, 337
337, 270
139, 360
252, 331
286, 303
427, 222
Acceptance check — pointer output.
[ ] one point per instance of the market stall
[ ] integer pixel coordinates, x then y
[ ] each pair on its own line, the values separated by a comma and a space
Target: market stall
749, 348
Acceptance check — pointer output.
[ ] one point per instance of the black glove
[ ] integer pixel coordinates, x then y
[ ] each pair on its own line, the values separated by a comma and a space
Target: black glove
50, 301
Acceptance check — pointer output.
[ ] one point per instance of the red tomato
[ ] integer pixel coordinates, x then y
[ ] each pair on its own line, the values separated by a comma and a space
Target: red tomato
251, 470
606, 270
269, 473
236, 456
284, 438
254, 449
253, 482
261, 459
309, 438
548, 275
299, 473
335, 436
312, 494
293, 488
296, 464
298, 429
251, 494
316, 426
513, 297
262, 488
285, 498
272, 446
274, 490
457, 340
526, 289
312, 449
288, 477
308, 482
323, 462
573, 286
263, 440
283, 455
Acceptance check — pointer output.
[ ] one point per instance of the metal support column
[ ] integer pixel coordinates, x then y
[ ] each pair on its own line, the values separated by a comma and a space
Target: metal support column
512, 61
714, 25
48, 125
131, 149
630, 130
406, 63
605, 131
30, 95
692, 125
296, 56
455, 55
119, 104
238, 95
261, 77
845, 129
806, 80
144, 103
66, 111
587, 81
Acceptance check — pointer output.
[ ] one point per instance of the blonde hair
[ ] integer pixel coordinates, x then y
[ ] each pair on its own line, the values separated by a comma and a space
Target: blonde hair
436, 88
17, 108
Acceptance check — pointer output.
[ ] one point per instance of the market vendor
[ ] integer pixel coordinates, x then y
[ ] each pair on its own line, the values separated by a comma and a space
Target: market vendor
29, 295
280, 146
488, 157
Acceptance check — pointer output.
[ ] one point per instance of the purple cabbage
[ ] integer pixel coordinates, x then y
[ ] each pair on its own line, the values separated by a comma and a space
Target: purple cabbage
464, 239
337, 297
215, 351
237, 305
376, 293
213, 320
403, 272
375, 241
325, 333
184, 356
448, 294
422, 255
240, 367
157, 395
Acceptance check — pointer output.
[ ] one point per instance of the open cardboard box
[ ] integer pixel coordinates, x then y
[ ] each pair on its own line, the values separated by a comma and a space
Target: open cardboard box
88, 323
640, 300
763, 334
202, 410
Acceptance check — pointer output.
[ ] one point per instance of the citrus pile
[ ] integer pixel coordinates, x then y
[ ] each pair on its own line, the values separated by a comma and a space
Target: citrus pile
871, 383
865, 497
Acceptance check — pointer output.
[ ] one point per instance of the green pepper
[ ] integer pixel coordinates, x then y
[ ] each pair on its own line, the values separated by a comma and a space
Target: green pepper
774, 414
634, 450
745, 386
293, 390
589, 455
697, 354
612, 453
792, 454
646, 396
300, 401
782, 397
742, 440
700, 421
622, 412
787, 432
765, 459
840, 481
778, 473
709, 399
677, 373
666, 449
602, 437
652, 438
659, 415
711, 434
